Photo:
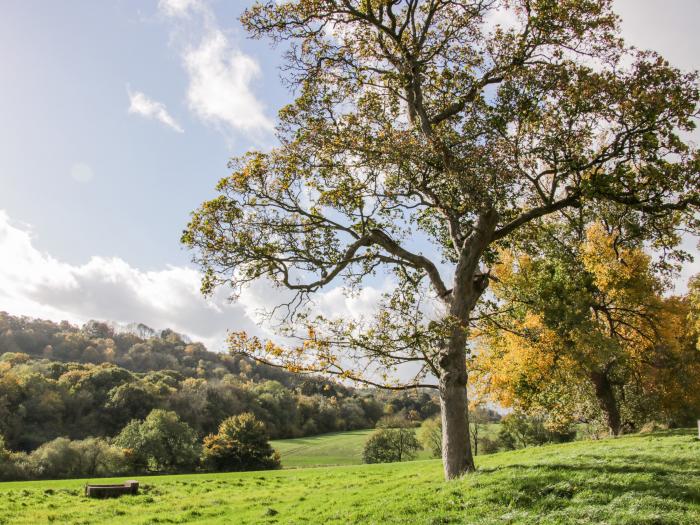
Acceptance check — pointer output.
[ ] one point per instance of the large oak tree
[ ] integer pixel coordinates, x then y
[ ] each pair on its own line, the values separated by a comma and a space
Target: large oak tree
424, 135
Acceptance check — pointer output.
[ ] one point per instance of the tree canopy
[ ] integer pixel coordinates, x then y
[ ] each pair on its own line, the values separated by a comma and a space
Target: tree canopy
240, 444
583, 333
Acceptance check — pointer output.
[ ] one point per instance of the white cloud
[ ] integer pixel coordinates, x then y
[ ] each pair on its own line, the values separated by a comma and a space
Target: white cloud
221, 76
220, 85
180, 8
140, 104
36, 284
81, 172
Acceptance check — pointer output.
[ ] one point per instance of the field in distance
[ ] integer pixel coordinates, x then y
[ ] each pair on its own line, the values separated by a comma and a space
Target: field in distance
641, 479
338, 448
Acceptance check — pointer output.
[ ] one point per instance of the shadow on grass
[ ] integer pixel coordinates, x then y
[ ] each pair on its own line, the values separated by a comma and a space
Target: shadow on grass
593, 480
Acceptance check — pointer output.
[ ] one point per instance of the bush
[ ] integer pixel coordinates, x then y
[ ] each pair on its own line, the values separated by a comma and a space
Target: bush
519, 430
12, 464
55, 459
387, 445
396, 421
240, 444
488, 445
62, 458
98, 458
159, 443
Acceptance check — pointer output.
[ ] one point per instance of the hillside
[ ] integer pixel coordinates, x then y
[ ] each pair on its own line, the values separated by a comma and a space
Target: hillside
639, 479
60, 380
337, 448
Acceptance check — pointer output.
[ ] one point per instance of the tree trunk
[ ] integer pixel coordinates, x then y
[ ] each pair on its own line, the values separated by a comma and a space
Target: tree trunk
607, 402
457, 456
468, 286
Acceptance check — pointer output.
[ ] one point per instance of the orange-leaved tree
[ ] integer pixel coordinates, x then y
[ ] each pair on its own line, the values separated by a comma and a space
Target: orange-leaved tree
584, 333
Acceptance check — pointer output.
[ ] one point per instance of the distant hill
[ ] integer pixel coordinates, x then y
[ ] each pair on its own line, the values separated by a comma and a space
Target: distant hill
57, 379
135, 347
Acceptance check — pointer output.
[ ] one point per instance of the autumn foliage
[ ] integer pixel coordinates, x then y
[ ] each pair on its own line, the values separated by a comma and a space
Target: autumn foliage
587, 335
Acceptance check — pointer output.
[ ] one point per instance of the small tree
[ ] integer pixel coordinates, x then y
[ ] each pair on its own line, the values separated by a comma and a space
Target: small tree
55, 459
97, 457
159, 443
519, 430
387, 445
430, 436
240, 444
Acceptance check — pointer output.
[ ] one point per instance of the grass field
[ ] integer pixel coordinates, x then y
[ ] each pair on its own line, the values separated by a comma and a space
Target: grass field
651, 479
339, 448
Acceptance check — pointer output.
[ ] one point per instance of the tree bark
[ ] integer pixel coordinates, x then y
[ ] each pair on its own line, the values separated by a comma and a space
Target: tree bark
457, 456
607, 402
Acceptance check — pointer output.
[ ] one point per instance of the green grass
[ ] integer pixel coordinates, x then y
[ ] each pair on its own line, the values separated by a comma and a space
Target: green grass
338, 448
651, 479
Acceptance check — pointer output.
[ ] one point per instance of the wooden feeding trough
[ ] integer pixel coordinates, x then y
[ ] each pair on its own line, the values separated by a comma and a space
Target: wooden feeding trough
112, 491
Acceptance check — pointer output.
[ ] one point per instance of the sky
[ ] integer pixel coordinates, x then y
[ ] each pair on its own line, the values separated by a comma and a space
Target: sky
118, 117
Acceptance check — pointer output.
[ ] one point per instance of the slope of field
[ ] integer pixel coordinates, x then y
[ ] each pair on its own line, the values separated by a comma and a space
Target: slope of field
338, 448
641, 480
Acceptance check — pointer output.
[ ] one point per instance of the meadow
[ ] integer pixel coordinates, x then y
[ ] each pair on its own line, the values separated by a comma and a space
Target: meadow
339, 448
644, 479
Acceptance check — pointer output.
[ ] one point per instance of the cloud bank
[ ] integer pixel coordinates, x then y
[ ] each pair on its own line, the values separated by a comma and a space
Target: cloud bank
37, 284
108, 288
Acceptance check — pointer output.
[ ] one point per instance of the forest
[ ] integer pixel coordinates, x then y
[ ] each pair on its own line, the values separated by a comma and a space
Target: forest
60, 380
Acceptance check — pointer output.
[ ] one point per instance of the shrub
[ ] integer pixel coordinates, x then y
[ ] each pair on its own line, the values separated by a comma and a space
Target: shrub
98, 458
55, 459
488, 445
519, 430
388, 445
240, 444
159, 443
63, 458
12, 464
396, 421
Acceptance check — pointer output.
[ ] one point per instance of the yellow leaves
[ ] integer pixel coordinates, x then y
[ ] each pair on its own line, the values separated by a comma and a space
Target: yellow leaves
313, 354
294, 368
617, 270
273, 349
311, 332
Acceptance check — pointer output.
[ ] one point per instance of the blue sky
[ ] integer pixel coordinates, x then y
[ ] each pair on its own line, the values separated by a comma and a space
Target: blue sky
67, 68
119, 116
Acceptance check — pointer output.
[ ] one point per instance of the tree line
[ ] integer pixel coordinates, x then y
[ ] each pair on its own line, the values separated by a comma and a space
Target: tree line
59, 380
160, 443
